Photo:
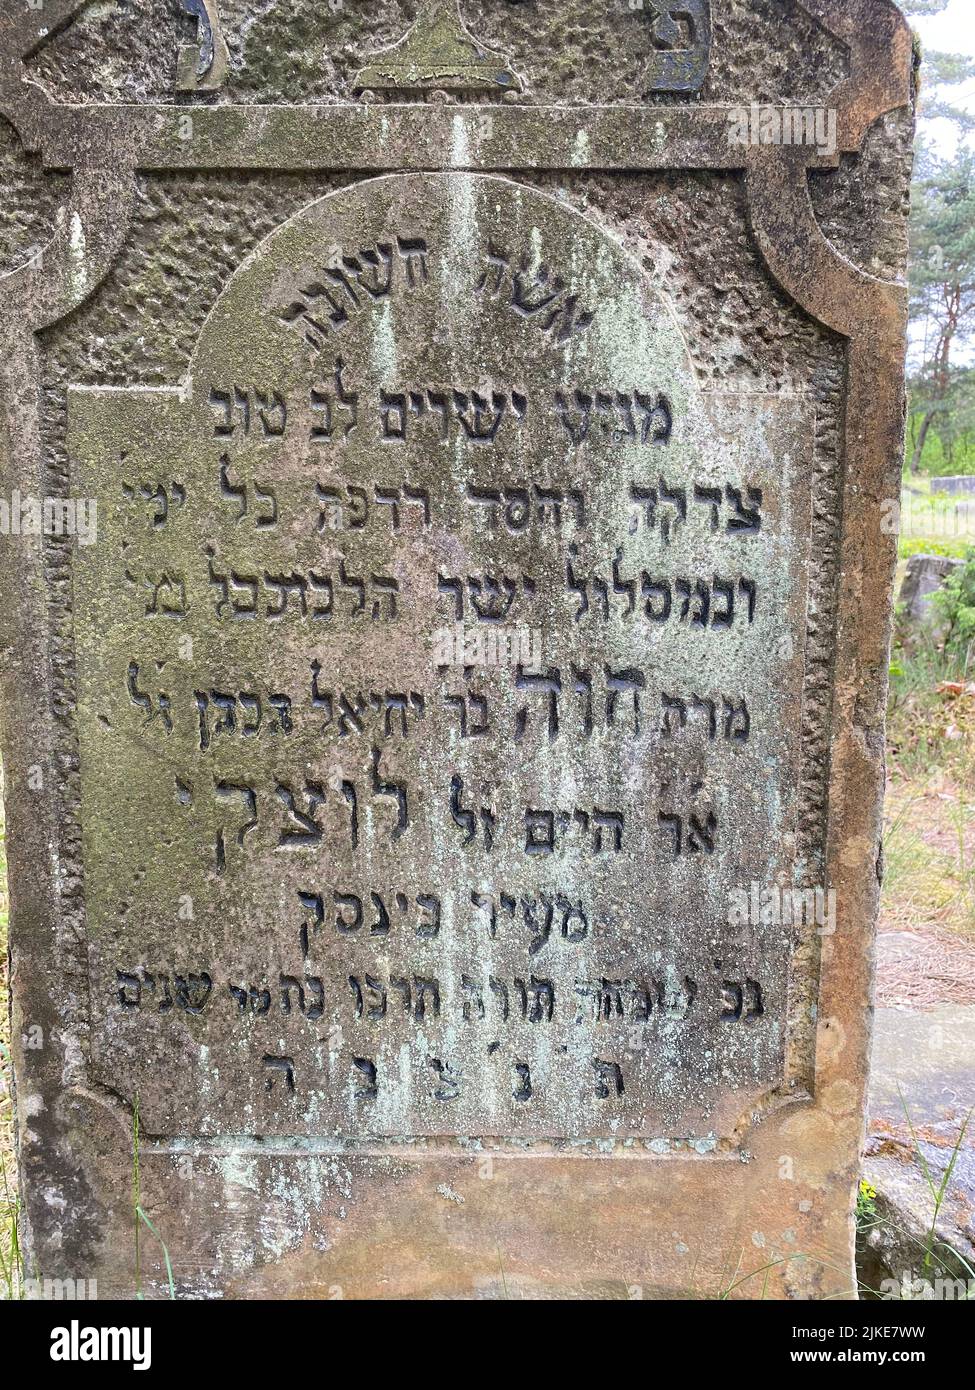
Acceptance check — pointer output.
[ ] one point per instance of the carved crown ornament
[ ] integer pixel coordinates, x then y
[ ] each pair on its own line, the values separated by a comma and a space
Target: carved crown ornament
104, 144
440, 53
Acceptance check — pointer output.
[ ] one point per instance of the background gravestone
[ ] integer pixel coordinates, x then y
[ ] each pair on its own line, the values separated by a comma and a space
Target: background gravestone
955, 487
925, 575
487, 619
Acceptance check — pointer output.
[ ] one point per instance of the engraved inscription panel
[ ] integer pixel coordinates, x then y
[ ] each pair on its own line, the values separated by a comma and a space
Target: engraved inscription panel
441, 663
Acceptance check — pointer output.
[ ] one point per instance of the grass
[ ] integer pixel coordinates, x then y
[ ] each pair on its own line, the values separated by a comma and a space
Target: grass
929, 878
933, 522
939, 1260
929, 853
938, 1189
929, 846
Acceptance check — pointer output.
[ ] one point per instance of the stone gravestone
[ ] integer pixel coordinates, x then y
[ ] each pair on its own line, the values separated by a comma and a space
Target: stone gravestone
443, 733
925, 575
962, 486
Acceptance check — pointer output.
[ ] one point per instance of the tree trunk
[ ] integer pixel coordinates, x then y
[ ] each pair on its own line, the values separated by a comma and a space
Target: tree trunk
919, 443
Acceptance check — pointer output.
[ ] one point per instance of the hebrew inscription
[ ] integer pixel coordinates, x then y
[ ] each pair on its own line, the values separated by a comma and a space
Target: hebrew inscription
441, 667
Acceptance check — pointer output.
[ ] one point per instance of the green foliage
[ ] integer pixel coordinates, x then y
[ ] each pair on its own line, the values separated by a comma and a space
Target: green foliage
942, 299
955, 601
943, 241
949, 445
930, 733
942, 233
940, 71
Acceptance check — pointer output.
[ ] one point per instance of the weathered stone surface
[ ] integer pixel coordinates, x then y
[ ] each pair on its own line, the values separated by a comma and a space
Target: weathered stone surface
488, 612
346, 537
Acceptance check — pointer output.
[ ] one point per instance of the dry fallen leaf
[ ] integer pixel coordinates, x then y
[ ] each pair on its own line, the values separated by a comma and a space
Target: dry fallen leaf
955, 688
